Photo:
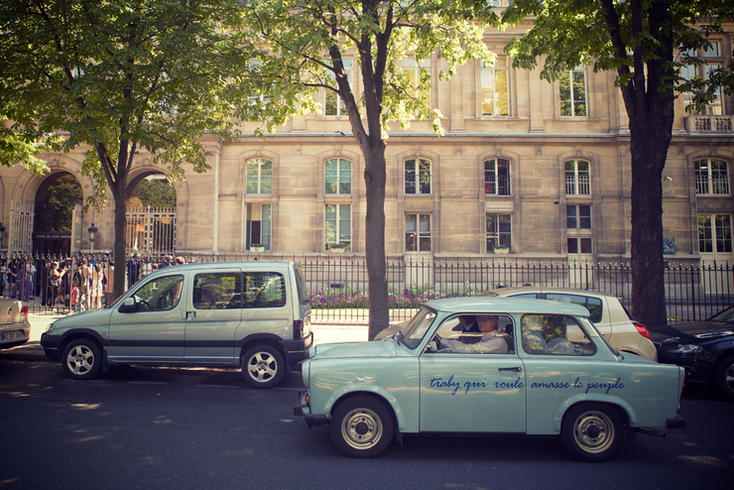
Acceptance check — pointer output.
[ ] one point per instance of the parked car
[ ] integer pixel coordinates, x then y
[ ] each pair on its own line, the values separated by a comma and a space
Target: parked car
14, 326
252, 314
557, 376
705, 349
607, 314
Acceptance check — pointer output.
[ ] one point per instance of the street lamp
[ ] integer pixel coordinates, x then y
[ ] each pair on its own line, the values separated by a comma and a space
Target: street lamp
92, 235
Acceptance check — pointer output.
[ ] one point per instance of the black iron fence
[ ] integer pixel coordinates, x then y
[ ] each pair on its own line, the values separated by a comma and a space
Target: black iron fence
338, 286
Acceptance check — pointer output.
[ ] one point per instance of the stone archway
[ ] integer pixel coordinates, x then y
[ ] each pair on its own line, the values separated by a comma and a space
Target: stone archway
151, 205
55, 200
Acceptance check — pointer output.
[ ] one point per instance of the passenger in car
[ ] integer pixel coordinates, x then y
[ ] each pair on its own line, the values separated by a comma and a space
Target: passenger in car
492, 341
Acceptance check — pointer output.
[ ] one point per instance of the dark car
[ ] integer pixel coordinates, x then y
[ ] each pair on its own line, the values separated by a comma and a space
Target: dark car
705, 349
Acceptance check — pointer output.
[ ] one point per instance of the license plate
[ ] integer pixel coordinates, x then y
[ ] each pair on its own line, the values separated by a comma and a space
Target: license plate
12, 335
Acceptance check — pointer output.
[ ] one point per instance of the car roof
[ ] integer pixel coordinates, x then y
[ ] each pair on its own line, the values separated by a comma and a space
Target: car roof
253, 264
478, 305
543, 289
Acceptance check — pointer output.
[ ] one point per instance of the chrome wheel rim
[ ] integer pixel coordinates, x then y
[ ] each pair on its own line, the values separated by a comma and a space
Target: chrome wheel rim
729, 377
362, 429
80, 359
594, 432
262, 367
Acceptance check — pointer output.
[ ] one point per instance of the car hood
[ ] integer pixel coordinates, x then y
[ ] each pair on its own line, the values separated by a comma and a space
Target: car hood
84, 319
692, 331
381, 348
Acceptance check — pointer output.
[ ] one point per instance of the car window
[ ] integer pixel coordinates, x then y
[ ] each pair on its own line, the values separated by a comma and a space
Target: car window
221, 290
413, 333
594, 305
525, 295
475, 334
263, 290
555, 335
162, 293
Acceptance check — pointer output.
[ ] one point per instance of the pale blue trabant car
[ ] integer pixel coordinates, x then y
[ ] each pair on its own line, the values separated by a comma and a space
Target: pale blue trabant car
489, 365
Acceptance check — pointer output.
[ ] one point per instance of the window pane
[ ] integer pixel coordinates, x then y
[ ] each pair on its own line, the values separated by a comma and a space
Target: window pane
572, 246
579, 93
564, 85
585, 217
345, 177
571, 217
331, 174
263, 290
217, 291
585, 245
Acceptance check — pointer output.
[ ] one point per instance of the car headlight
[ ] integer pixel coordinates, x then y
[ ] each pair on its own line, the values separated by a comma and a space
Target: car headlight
683, 348
50, 327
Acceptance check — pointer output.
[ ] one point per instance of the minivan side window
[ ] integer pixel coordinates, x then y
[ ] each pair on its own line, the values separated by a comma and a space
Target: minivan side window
263, 290
220, 290
162, 293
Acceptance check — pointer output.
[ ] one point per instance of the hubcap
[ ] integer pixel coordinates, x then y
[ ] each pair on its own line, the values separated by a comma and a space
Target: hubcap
594, 432
262, 367
80, 359
362, 429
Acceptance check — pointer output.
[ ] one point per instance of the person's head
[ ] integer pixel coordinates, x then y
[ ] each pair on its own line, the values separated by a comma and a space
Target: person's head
55, 265
466, 321
487, 323
180, 260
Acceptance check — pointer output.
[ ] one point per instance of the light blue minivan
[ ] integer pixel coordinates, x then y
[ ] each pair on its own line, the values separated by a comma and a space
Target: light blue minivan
253, 314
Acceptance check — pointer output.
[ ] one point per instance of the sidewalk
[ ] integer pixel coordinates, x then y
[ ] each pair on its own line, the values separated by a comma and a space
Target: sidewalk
32, 350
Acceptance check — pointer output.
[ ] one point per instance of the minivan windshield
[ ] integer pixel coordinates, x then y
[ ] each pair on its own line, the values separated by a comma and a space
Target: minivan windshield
413, 333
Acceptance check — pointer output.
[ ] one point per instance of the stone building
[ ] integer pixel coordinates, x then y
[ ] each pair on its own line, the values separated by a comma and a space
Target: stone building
528, 168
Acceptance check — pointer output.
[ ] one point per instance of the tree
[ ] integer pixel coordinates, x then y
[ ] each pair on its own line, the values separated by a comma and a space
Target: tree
119, 76
300, 47
156, 193
638, 39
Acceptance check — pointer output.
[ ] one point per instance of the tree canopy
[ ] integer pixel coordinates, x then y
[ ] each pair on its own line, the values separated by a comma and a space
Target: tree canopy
301, 47
119, 76
646, 42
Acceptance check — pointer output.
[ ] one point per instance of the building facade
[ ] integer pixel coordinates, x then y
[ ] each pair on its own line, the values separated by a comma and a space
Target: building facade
526, 168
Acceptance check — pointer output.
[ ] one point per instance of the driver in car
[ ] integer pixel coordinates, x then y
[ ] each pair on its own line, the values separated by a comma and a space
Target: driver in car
491, 341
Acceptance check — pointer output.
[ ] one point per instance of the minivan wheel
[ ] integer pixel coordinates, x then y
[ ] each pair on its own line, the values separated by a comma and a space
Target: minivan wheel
725, 377
82, 359
263, 366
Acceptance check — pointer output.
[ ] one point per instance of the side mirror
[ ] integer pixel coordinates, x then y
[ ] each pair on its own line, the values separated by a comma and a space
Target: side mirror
129, 305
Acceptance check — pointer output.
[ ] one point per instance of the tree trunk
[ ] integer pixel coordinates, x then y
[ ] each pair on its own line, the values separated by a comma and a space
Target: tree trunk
118, 193
375, 179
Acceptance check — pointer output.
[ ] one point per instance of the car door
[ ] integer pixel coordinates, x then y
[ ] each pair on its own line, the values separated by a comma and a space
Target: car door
213, 316
154, 329
472, 392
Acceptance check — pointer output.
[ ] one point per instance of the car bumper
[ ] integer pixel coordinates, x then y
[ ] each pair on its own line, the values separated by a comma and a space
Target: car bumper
304, 410
15, 335
51, 346
297, 350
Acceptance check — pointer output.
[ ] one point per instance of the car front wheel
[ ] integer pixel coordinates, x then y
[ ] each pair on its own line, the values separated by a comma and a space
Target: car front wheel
82, 359
263, 366
362, 427
725, 377
592, 431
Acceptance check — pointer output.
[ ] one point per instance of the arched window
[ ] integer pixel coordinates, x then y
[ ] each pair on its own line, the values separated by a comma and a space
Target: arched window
497, 177
712, 177
418, 176
578, 180
338, 173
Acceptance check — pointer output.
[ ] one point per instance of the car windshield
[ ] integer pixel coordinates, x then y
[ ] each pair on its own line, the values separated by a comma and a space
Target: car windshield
413, 333
724, 316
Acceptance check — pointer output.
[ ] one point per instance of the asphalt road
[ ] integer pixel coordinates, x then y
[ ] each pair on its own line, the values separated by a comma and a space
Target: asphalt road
184, 428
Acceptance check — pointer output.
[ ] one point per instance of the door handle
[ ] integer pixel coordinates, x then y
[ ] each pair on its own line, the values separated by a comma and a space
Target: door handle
516, 369
190, 315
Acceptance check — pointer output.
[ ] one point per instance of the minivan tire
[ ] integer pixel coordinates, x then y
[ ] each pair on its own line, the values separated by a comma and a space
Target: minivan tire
82, 359
263, 366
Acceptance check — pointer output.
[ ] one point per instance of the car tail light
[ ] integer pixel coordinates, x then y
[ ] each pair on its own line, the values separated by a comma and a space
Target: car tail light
642, 329
24, 310
297, 329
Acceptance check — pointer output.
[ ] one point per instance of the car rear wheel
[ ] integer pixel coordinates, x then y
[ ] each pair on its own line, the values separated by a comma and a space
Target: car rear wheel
82, 359
263, 366
592, 431
361, 427
725, 377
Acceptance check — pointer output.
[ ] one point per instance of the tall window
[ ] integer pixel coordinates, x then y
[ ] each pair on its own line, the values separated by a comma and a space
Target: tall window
334, 105
712, 177
577, 178
338, 176
497, 177
258, 225
578, 225
499, 231
494, 89
417, 232
418, 176
714, 233
702, 71
259, 176
573, 92
338, 225
418, 73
